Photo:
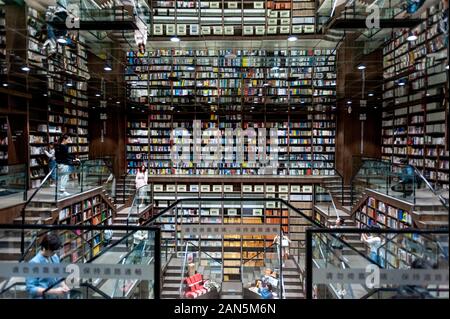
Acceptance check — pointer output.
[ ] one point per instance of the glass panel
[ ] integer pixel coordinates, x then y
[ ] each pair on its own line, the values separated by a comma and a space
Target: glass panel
382, 265
13, 183
85, 266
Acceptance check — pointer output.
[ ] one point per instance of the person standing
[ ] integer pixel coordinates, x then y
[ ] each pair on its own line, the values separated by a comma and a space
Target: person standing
37, 287
283, 244
50, 153
374, 243
64, 161
406, 179
141, 180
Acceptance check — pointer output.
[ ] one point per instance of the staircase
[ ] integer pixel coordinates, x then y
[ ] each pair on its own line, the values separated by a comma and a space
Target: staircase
172, 279
35, 213
293, 281
428, 212
342, 195
125, 188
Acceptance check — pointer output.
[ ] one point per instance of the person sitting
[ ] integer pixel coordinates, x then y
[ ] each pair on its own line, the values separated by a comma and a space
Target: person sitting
266, 291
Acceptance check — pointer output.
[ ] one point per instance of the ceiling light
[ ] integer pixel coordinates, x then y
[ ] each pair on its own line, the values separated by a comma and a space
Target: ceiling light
370, 94
401, 83
411, 37
25, 68
292, 38
253, 107
302, 102
97, 95
118, 102
191, 68
132, 107
5, 84
293, 107
349, 102
361, 67
69, 84
175, 39
107, 67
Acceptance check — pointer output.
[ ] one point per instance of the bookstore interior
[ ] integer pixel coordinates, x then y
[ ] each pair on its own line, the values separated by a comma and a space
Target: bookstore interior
212, 149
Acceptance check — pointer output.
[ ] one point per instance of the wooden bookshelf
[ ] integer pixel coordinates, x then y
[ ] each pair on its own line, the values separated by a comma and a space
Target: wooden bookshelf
81, 245
377, 212
415, 99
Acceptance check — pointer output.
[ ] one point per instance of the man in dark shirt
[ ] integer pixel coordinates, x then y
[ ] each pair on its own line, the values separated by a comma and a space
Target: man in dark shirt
407, 179
64, 160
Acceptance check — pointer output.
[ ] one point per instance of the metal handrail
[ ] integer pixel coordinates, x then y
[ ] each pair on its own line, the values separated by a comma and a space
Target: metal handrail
22, 212
441, 198
182, 269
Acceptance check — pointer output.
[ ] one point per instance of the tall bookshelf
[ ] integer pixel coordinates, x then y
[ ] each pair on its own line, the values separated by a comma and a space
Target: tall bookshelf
291, 91
65, 74
415, 99
81, 245
232, 18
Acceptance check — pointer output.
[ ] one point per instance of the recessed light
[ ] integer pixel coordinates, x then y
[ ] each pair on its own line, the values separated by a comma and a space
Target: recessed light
302, 102
361, 67
175, 39
118, 102
25, 68
292, 38
132, 107
349, 102
371, 94
69, 84
5, 84
97, 95
107, 67
401, 83
293, 107
45, 94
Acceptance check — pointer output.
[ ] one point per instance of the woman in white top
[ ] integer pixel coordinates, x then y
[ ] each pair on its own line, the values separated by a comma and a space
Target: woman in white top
141, 180
285, 241
374, 243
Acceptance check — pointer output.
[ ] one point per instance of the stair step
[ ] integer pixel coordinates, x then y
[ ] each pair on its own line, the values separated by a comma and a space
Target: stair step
171, 286
294, 295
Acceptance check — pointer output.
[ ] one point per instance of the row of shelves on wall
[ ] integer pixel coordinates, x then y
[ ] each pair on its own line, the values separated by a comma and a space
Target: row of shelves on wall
164, 79
415, 98
232, 18
303, 147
